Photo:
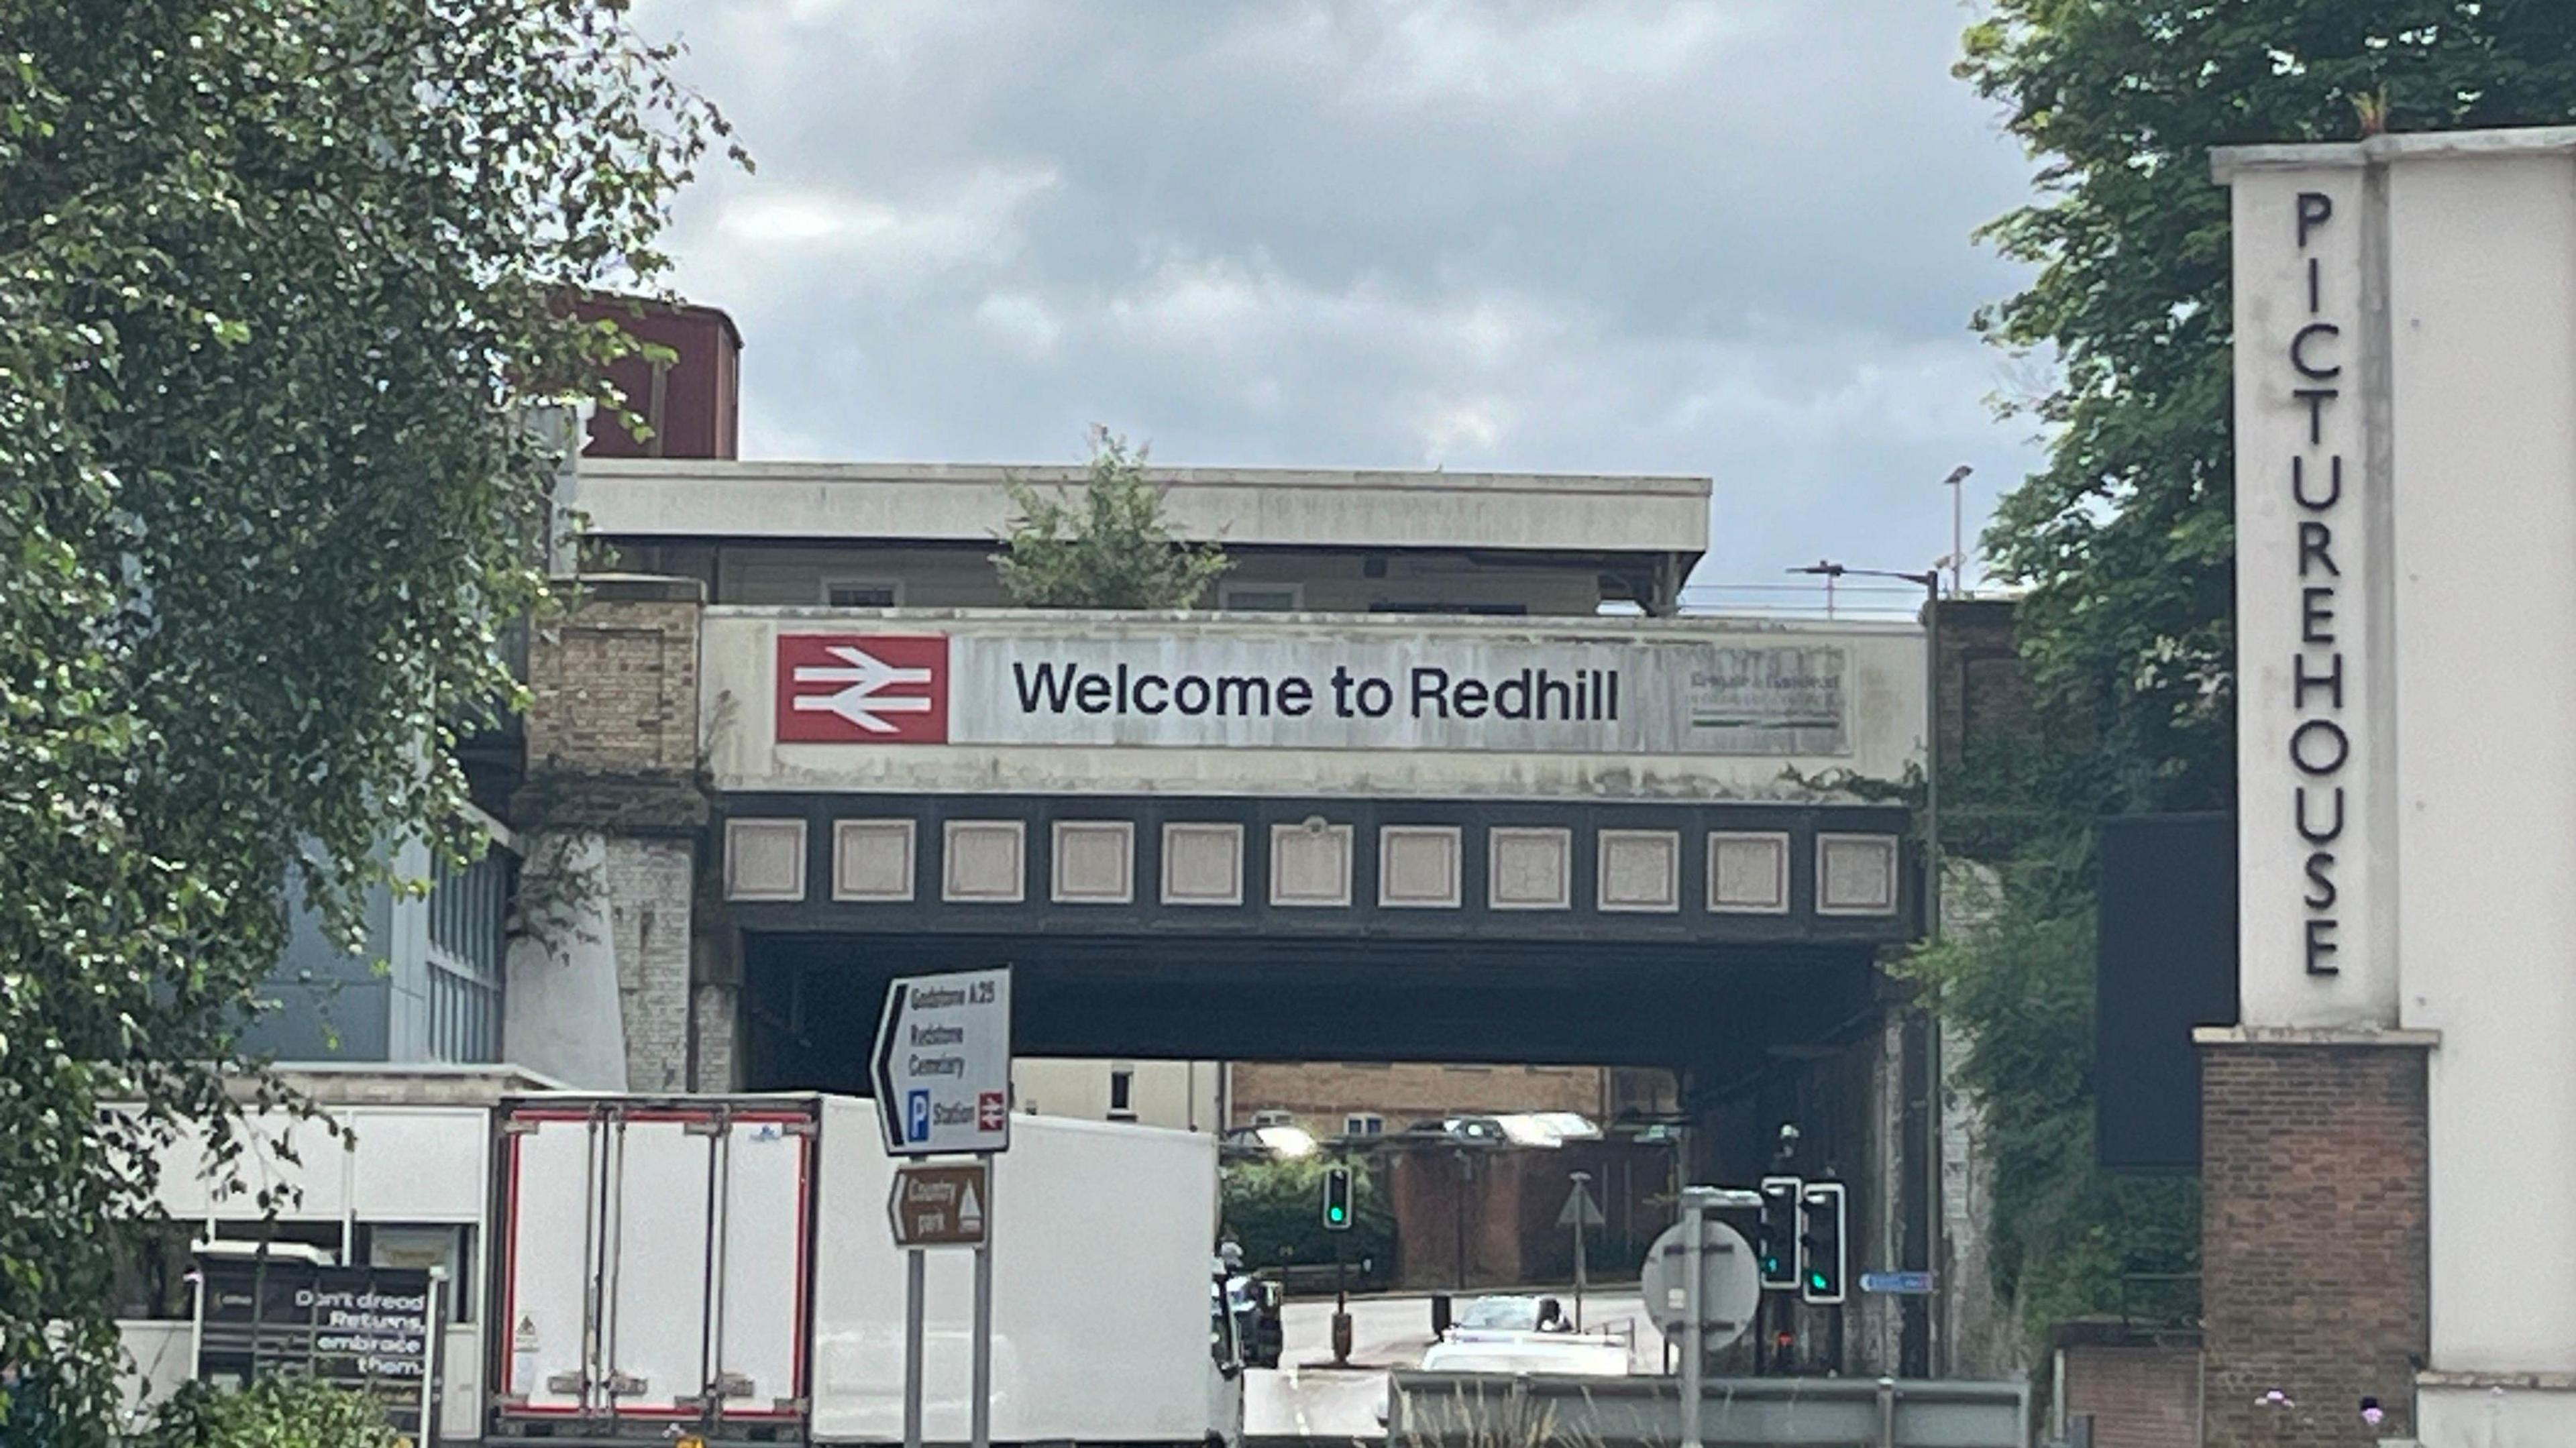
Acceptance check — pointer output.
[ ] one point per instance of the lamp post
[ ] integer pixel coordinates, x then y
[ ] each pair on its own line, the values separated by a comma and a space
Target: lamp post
1958, 528
1930, 582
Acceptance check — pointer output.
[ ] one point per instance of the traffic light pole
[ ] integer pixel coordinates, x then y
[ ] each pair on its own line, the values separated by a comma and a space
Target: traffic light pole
1341, 1305
1341, 1207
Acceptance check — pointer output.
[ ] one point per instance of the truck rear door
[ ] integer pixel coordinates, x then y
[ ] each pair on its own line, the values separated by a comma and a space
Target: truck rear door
654, 1264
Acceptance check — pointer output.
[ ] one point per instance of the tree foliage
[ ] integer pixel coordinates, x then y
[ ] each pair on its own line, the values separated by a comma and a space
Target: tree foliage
276, 277
1106, 546
2124, 538
1275, 1210
281, 1412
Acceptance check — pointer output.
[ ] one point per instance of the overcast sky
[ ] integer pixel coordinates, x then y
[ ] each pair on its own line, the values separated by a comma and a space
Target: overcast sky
1716, 237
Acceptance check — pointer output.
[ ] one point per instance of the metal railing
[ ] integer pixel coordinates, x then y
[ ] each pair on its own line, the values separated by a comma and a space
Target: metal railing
1468, 1410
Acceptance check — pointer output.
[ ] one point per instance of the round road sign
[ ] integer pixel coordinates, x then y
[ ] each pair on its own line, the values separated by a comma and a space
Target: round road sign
1730, 1282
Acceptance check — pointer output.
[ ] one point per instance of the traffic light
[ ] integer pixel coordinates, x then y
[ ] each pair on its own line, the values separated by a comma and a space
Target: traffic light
1775, 1233
1823, 1256
1337, 1199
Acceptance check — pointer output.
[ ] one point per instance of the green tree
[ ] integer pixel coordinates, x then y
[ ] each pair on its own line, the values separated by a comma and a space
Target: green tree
1108, 546
277, 278
2124, 538
1275, 1209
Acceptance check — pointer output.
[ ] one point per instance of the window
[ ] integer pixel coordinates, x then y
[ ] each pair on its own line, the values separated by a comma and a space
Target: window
468, 915
152, 1274
1363, 1123
154, 1261
421, 1246
861, 593
1122, 1094
1261, 597
1274, 1118
1499, 610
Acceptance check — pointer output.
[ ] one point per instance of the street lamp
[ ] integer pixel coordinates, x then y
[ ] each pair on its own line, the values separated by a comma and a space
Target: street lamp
1958, 528
1930, 582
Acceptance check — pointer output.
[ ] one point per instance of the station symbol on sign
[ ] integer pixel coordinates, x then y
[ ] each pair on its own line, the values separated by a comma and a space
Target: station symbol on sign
862, 688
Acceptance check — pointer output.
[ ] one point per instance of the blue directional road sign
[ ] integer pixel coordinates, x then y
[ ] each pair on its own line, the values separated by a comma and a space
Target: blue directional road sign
1900, 1284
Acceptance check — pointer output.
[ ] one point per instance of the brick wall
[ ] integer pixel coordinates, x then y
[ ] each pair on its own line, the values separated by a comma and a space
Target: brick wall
2314, 1253
1984, 723
612, 739
613, 686
2138, 1395
719, 1031
648, 883
1509, 1201
1985, 692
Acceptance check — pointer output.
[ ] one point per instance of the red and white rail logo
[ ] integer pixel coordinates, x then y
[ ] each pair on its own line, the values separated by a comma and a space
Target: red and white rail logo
862, 689
990, 1111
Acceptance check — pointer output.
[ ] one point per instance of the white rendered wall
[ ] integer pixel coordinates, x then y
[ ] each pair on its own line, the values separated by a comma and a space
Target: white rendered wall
2483, 325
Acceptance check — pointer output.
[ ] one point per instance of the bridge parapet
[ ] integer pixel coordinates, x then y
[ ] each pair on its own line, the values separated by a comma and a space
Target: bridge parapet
812, 699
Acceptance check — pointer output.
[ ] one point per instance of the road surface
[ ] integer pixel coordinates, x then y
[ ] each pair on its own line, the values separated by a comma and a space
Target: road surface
1307, 1397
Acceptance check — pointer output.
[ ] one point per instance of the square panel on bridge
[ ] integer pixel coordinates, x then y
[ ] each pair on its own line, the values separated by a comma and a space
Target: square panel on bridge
872, 860
1856, 874
1418, 866
1529, 867
1748, 872
1641, 870
986, 862
1310, 865
1202, 864
1094, 862
764, 859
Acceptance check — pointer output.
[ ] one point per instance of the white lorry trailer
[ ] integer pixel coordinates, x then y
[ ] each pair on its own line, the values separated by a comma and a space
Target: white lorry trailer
722, 1268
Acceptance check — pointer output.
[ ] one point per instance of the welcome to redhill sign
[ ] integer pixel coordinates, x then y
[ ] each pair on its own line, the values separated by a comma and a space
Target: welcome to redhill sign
1649, 696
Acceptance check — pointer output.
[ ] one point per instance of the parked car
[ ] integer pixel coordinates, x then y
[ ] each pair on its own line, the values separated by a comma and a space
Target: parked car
1496, 1315
1584, 1356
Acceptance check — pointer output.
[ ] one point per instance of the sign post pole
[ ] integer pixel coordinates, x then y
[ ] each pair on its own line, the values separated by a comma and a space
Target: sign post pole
980, 1404
1579, 1179
1694, 1311
914, 1272
432, 1357
943, 1079
1582, 1214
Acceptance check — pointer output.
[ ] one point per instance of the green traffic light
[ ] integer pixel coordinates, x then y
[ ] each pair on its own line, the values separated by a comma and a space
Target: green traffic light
1816, 1280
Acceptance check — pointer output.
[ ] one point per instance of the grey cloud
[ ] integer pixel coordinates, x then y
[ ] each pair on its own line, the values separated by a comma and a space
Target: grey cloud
1728, 239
